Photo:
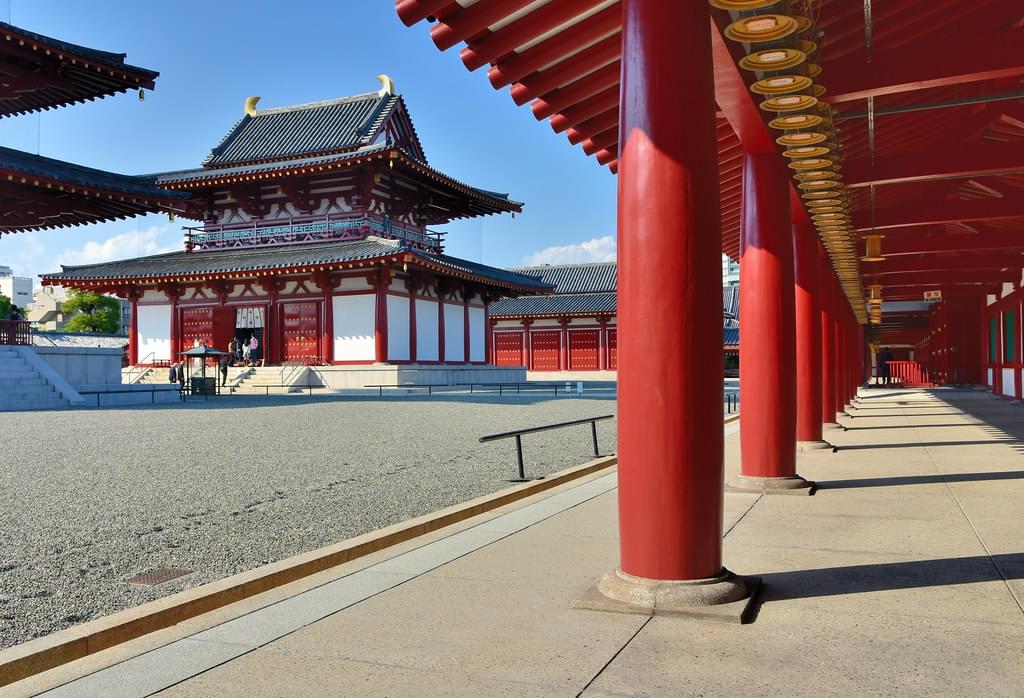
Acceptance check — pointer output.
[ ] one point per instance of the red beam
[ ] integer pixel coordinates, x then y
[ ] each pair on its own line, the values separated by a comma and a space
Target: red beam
555, 49
523, 30
601, 102
915, 67
933, 279
576, 92
934, 213
934, 244
468, 22
581, 64
412, 11
733, 95
936, 163
942, 262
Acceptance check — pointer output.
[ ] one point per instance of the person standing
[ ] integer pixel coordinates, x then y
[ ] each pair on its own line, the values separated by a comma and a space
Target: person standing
172, 375
883, 365
254, 351
231, 350
223, 362
181, 375
247, 351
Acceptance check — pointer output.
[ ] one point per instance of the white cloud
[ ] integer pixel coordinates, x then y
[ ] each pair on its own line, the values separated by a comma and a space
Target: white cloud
597, 250
136, 243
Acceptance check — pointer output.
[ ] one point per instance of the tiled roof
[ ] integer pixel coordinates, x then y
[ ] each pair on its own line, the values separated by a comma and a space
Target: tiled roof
77, 78
731, 301
143, 186
269, 258
582, 289
304, 129
731, 336
576, 278
567, 304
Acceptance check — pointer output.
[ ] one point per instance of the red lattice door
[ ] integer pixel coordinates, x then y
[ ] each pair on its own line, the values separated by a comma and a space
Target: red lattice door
613, 353
544, 349
583, 350
508, 349
301, 326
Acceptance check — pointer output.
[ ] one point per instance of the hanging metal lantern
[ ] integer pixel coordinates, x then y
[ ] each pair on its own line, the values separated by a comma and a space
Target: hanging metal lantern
873, 253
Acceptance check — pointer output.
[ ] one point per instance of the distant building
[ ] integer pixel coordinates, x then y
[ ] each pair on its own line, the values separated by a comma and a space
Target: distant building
46, 312
575, 328
17, 288
730, 272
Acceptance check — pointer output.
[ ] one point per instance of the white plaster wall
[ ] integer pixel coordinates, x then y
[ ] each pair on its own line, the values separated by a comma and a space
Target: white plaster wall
476, 334
988, 379
151, 294
426, 330
398, 328
354, 321
154, 328
353, 283
510, 324
454, 331
546, 323
1009, 381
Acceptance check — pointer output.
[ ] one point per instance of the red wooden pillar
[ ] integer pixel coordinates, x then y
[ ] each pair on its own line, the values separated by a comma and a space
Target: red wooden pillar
839, 346
442, 291
327, 333
602, 344
527, 348
488, 331
808, 337
670, 422
174, 293
768, 335
411, 286
828, 353
380, 329
133, 333
563, 345
466, 295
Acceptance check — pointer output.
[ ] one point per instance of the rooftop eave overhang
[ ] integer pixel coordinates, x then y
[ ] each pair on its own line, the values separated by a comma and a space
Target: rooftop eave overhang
403, 257
550, 316
287, 168
169, 200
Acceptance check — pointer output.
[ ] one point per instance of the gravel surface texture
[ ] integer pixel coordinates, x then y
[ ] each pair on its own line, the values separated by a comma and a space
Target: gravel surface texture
92, 497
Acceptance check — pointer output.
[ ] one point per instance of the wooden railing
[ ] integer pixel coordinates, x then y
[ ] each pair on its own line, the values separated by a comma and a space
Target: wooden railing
15, 332
909, 373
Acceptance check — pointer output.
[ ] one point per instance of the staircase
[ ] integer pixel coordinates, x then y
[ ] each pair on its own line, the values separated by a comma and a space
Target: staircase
22, 388
260, 380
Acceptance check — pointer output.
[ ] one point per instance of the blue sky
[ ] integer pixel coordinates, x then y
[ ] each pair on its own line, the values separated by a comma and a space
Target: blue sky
213, 54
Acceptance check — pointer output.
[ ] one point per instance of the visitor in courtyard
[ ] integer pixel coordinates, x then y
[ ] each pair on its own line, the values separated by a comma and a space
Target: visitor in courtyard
232, 350
247, 352
223, 362
172, 374
181, 374
883, 365
254, 350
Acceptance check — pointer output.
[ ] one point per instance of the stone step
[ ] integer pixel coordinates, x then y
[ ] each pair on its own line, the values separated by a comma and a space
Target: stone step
16, 373
27, 405
24, 380
29, 391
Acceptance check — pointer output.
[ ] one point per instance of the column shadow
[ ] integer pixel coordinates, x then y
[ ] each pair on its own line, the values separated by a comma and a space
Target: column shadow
860, 579
918, 480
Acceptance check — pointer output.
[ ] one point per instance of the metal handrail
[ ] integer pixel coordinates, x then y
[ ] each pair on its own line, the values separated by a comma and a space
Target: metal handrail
518, 434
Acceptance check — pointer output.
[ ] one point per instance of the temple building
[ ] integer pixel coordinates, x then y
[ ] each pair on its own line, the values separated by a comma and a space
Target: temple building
314, 238
575, 328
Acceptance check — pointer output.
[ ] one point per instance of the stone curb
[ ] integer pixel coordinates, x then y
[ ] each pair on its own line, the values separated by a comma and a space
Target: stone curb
44, 653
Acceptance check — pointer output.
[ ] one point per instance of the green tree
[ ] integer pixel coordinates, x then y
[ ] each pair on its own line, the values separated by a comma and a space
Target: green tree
98, 313
5, 307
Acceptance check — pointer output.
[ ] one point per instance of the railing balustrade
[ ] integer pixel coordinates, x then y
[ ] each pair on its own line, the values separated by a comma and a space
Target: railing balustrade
15, 332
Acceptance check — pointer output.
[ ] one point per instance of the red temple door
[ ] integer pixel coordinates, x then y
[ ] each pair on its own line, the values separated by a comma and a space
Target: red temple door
301, 328
196, 327
508, 349
583, 350
544, 350
613, 353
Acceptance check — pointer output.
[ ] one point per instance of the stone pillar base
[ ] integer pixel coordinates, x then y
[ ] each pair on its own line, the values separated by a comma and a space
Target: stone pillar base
726, 598
771, 485
808, 446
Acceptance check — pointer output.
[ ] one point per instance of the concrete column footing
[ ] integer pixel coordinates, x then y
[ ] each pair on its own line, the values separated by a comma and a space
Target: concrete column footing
771, 485
817, 445
726, 598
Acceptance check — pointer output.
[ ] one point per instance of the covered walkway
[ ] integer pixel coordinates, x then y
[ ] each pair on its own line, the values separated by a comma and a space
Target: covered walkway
904, 574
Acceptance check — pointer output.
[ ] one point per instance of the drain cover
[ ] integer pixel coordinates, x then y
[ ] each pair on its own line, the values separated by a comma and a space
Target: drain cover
159, 576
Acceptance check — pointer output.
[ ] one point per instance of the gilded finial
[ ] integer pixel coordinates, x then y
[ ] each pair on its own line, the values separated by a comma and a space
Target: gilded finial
387, 85
250, 105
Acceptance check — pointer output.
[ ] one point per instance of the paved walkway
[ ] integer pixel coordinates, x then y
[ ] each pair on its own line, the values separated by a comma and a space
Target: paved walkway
903, 575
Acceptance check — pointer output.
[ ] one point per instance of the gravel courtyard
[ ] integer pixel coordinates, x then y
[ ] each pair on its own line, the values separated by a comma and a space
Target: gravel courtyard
92, 497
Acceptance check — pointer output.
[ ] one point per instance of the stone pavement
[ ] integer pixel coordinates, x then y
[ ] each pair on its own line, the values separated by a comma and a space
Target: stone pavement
903, 575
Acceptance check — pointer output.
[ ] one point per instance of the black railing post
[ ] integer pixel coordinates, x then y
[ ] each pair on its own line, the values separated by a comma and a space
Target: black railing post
593, 434
519, 456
